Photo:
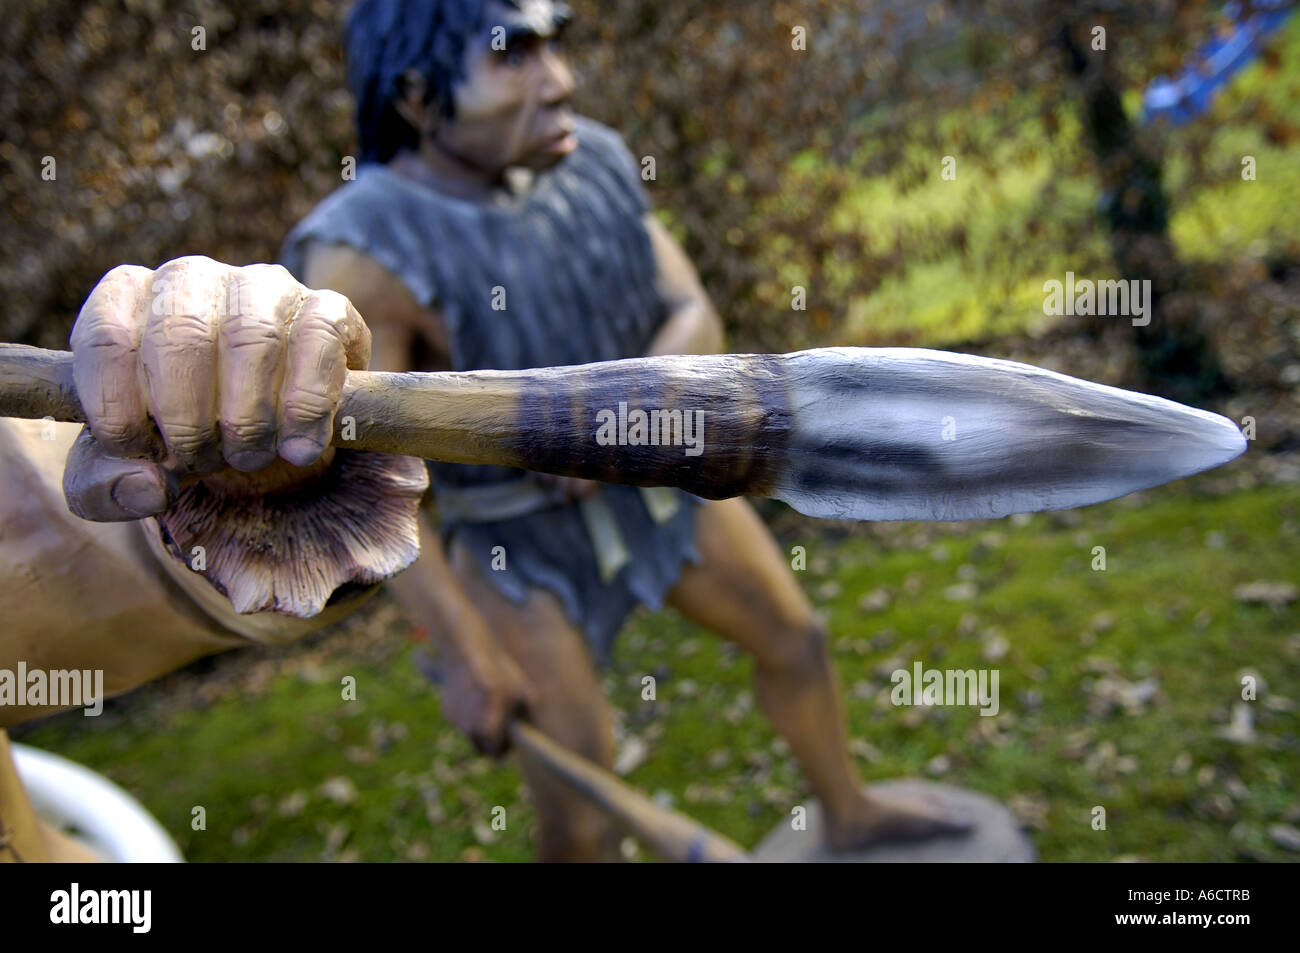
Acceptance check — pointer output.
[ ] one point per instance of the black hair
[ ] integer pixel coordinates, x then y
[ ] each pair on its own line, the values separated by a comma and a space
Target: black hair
386, 38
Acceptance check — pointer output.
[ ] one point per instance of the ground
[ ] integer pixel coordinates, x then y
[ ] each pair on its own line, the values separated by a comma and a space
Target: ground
1118, 689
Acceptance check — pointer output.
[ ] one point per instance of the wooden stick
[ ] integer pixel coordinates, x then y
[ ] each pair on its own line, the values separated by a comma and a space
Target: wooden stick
36, 383
670, 835
838, 433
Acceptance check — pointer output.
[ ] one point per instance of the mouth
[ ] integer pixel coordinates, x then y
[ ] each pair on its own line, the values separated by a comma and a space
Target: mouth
562, 142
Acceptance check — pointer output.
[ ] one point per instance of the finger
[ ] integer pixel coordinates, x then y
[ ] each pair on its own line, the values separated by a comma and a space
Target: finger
520, 708
178, 355
494, 740
105, 365
259, 301
494, 746
111, 489
525, 700
325, 339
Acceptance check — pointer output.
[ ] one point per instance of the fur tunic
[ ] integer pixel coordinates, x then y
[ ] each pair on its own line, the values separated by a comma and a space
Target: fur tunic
573, 262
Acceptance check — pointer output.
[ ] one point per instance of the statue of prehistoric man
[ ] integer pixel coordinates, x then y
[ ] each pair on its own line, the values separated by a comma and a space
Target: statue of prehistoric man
488, 227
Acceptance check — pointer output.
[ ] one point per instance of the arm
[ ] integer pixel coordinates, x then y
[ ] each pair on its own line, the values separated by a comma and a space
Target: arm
180, 371
483, 685
82, 595
692, 325
210, 394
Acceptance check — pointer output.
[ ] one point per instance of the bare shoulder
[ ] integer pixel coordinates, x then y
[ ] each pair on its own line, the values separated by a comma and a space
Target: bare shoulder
385, 302
375, 291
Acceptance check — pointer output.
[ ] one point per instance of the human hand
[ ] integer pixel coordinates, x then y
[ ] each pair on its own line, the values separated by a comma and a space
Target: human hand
198, 368
482, 694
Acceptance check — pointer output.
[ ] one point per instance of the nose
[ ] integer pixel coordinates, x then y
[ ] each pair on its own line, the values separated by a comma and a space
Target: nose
557, 83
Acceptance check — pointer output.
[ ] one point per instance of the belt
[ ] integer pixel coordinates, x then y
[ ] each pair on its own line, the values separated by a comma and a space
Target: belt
491, 502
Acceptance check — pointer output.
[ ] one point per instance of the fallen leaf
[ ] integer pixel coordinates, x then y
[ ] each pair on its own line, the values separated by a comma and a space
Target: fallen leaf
1275, 594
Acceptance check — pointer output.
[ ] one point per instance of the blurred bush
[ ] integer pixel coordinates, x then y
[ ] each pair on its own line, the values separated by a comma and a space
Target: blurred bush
775, 165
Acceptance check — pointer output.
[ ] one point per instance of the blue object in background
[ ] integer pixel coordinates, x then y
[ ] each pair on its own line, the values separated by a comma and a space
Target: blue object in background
1190, 94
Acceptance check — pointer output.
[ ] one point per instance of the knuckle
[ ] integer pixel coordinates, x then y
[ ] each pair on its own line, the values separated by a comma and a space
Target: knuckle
172, 271
257, 433
328, 310
188, 324
187, 288
195, 263
185, 437
315, 324
120, 286
108, 316
267, 291
269, 271
180, 338
329, 305
101, 328
306, 407
247, 329
130, 275
111, 432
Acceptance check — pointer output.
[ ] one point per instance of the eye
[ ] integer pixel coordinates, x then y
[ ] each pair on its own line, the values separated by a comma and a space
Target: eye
516, 56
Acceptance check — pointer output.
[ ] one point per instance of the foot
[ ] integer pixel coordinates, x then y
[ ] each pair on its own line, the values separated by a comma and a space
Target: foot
877, 819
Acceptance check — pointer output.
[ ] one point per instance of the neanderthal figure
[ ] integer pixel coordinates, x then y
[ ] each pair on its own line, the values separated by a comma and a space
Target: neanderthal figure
492, 228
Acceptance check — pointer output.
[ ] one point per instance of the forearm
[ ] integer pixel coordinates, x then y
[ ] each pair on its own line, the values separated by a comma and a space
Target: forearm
691, 328
430, 592
113, 598
692, 325
76, 595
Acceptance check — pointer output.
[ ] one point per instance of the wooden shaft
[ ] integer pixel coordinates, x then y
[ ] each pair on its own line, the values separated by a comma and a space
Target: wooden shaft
545, 419
670, 835
431, 415
36, 383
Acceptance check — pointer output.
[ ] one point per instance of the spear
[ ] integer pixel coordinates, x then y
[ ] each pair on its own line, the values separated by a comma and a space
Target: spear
837, 433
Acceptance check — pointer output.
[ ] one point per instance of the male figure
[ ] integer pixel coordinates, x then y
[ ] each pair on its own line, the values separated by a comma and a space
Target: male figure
492, 228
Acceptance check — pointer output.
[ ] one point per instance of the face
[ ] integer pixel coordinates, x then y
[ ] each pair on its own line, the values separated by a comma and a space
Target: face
512, 107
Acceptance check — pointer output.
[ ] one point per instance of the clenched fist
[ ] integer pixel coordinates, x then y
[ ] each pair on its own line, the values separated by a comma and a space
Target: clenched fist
197, 367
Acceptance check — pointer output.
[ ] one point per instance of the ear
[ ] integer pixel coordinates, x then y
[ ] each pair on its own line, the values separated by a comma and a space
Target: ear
411, 104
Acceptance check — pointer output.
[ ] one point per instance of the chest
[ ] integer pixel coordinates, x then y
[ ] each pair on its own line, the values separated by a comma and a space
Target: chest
565, 280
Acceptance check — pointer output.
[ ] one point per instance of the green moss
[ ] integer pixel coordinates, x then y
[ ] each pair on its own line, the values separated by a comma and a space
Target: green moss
1172, 564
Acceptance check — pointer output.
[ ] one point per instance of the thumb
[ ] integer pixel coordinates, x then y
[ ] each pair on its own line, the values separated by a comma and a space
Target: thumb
112, 489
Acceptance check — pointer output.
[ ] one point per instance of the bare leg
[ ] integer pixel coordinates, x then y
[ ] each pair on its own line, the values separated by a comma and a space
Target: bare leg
573, 710
744, 591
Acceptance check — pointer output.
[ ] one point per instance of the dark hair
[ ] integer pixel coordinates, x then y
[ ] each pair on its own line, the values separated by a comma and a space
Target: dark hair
385, 39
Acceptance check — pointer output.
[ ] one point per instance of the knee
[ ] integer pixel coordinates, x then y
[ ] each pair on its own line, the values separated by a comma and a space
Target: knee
581, 837
801, 645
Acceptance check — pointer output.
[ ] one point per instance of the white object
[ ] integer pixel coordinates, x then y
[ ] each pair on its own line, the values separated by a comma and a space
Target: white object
107, 820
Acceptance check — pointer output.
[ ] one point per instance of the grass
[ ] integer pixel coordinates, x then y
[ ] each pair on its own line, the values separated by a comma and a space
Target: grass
1026, 602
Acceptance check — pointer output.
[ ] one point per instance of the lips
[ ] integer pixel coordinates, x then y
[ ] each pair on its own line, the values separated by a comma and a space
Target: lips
559, 130
563, 142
